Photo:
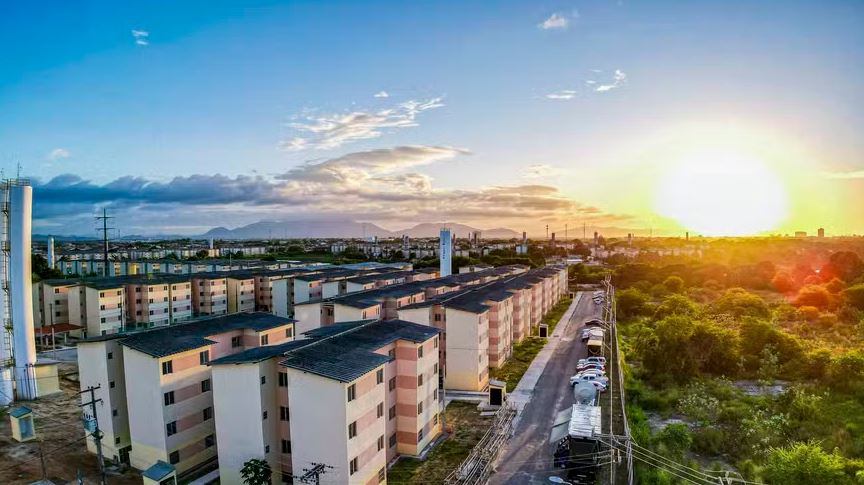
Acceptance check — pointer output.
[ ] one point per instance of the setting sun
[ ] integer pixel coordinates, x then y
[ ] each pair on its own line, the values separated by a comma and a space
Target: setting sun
722, 194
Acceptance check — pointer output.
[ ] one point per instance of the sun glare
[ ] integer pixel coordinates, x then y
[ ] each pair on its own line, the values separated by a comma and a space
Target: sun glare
722, 194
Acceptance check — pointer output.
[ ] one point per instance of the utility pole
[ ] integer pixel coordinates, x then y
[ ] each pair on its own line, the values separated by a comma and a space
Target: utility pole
565, 232
97, 433
314, 473
104, 218
42, 462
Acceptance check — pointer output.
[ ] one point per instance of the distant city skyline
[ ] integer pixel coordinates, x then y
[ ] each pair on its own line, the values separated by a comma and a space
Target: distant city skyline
719, 117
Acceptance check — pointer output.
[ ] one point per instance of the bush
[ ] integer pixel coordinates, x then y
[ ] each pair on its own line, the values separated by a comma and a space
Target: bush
814, 295
854, 296
804, 464
739, 302
674, 284
676, 305
631, 303
675, 439
709, 441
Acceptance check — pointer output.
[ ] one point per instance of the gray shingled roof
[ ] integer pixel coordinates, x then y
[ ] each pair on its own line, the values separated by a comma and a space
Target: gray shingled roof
350, 354
163, 341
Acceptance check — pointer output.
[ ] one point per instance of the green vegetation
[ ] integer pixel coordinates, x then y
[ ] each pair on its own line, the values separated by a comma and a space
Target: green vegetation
256, 472
465, 428
705, 341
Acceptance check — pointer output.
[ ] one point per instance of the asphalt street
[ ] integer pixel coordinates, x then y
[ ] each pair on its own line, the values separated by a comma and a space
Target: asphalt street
527, 457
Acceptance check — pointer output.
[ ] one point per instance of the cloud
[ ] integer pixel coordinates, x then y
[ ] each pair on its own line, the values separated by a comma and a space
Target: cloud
58, 153
382, 186
381, 94
619, 79
329, 131
563, 94
851, 175
555, 21
142, 37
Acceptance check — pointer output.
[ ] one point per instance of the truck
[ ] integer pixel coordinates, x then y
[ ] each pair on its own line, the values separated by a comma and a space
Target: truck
576, 436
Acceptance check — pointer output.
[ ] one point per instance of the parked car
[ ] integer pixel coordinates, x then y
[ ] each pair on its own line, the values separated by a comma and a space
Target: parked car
601, 380
594, 322
595, 359
580, 368
599, 372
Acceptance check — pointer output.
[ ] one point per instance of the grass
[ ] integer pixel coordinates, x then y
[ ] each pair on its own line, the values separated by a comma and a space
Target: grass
466, 427
525, 351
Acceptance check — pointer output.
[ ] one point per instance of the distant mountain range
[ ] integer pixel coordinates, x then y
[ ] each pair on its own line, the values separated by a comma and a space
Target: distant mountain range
346, 229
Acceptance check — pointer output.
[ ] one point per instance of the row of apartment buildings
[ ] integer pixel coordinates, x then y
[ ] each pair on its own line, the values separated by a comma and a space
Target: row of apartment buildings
353, 393
100, 306
232, 388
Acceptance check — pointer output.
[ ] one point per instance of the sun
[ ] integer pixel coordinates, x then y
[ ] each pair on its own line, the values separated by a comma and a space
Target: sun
716, 193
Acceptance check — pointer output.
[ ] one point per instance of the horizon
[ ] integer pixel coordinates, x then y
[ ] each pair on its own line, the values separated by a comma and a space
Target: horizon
717, 118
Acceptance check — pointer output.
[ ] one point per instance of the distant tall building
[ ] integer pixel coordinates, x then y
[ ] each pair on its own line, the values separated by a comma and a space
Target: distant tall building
445, 252
687, 236
553, 239
524, 238
596, 238
820, 232
51, 261
629, 238
800, 234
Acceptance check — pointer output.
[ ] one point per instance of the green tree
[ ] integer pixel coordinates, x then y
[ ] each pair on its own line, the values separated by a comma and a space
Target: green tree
783, 283
769, 364
814, 295
854, 295
676, 305
256, 472
845, 265
675, 439
804, 464
631, 302
674, 284
739, 302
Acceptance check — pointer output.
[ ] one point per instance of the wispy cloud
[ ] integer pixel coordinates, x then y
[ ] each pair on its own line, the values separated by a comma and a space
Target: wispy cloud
381, 94
556, 21
58, 153
851, 175
618, 79
563, 94
142, 37
334, 130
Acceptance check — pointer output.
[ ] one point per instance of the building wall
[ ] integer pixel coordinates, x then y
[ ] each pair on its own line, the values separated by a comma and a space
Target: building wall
97, 370
467, 347
209, 296
241, 295
308, 317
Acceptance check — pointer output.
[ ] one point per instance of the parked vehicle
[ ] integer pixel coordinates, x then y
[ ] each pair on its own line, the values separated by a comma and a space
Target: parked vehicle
594, 322
580, 368
590, 378
593, 359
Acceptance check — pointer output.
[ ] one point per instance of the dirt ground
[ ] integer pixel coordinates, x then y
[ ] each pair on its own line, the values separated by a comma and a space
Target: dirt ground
60, 431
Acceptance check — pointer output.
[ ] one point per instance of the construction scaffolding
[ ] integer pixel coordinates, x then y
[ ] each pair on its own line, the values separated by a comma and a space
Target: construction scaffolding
475, 470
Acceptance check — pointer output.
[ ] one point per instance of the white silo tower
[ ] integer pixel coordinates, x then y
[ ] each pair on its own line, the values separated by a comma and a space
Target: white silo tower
51, 252
18, 348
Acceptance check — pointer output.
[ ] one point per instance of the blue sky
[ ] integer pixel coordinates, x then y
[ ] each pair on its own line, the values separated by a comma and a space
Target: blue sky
557, 122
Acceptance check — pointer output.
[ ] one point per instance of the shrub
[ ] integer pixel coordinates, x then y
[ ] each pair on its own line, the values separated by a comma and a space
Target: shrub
804, 464
854, 296
675, 439
674, 284
631, 302
709, 441
814, 295
739, 302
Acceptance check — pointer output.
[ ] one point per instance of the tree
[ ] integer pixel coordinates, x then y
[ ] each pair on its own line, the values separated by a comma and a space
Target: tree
41, 269
202, 254
854, 295
804, 464
845, 265
739, 302
676, 305
631, 302
814, 295
256, 472
783, 283
674, 284
675, 439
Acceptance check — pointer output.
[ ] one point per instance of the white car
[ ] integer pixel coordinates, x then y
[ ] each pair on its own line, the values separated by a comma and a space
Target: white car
583, 367
591, 372
596, 383
592, 360
589, 378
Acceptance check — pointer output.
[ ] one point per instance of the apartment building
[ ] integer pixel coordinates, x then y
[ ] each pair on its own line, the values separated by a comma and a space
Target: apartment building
51, 301
354, 396
241, 292
168, 414
98, 307
209, 294
157, 300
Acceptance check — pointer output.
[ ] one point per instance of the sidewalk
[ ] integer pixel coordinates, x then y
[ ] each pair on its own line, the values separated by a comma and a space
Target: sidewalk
525, 389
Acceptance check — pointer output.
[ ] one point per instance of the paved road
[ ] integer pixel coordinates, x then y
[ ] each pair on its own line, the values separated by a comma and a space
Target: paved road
527, 458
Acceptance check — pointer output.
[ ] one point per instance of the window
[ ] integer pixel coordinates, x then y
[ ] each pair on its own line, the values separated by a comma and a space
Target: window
379, 376
167, 367
392, 384
114, 412
283, 379
286, 446
111, 385
265, 339
435, 368
264, 415
289, 332
392, 412
392, 353
174, 457
420, 352
392, 440
101, 307
420, 436
380, 409
102, 320
110, 355
204, 357
208, 413
263, 380
382, 473
205, 385
352, 392
352, 430
353, 466
420, 380
116, 440
381, 442
235, 342
435, 394
171, 428
284, 414
209, 441
267, 449
435, 343
420, 408
169, 398
435, 419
